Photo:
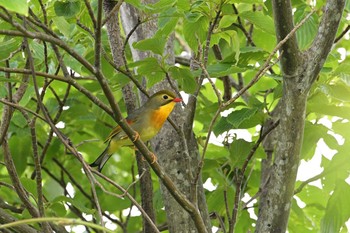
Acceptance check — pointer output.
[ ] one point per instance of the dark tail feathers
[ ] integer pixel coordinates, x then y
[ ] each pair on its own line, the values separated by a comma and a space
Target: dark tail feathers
101, 160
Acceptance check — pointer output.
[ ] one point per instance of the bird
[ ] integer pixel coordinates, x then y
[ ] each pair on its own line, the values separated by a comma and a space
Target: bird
146, 121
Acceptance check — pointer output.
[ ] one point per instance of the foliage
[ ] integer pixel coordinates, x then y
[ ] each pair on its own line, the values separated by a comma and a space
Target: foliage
244, 32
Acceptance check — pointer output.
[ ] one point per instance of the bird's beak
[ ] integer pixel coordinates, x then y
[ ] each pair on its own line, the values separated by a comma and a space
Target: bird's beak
177, 99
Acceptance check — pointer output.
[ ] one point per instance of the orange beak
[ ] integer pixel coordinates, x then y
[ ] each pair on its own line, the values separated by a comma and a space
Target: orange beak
177, 99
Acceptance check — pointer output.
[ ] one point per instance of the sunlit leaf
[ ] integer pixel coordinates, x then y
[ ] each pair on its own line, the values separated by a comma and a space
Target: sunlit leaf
18, 6
338, 208
264, 22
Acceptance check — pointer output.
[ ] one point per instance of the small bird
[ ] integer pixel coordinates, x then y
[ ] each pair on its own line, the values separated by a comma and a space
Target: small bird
146, 121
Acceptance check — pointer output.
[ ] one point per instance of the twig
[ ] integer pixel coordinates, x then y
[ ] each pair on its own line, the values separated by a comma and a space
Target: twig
20, 190
22, 108
126, 43
241, 26
133, 183
39, 188
312, 179
97, 35
91, 12
342, 34
76, 183
206, 74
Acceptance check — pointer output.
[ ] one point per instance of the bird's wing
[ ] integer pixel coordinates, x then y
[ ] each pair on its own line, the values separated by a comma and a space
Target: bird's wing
117, 130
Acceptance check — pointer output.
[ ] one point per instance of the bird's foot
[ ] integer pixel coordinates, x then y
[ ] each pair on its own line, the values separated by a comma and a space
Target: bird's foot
154, 158
136, 136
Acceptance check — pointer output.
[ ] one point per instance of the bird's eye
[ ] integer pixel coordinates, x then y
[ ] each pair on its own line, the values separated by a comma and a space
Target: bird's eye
165, 97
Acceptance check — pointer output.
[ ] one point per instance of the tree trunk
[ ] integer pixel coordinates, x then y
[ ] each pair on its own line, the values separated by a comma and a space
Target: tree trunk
168, 146
300, 71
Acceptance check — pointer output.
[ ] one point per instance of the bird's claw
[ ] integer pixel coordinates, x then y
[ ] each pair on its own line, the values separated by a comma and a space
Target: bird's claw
154, 158
136, 136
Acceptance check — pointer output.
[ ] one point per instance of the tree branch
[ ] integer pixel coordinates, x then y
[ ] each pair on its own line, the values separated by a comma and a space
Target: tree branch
284, 25
325, 37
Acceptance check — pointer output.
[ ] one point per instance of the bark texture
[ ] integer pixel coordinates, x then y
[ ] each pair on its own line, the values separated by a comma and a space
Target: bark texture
170, 149
130, 98
283, 147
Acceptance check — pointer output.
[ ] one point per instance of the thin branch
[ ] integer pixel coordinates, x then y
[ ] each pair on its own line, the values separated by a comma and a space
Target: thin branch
20, 190
241, 26
241, 175
97, 35
71, 81
206, 74
39, 188
72, 179
193, 99
342, 34
312, 179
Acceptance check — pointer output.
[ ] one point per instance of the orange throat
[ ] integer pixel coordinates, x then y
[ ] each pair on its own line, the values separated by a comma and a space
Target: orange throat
160, 115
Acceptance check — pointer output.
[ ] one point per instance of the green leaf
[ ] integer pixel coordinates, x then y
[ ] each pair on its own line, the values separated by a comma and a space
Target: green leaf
184, 77
223, 69
150, 68
264, 22
155, 44
67, 8
57, 209
246, 1
307, 32
147, 66
239, 150
11, 80
260, 37
227, 21
213, 151
343, 72
29, 185
216, 201
76, 202
8, 46
312, 134
64, 27
338, 208
222, 125
21, 149
52, 189
237, 117
18, 6
167, 25
195, 29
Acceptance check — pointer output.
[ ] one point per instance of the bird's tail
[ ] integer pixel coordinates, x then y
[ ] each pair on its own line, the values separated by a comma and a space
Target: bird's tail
101, 160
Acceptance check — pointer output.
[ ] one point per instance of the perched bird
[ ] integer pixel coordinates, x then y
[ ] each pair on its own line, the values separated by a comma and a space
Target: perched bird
146, 121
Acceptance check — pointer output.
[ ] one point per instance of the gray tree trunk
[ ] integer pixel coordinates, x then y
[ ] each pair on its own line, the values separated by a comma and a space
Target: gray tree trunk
300, 70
